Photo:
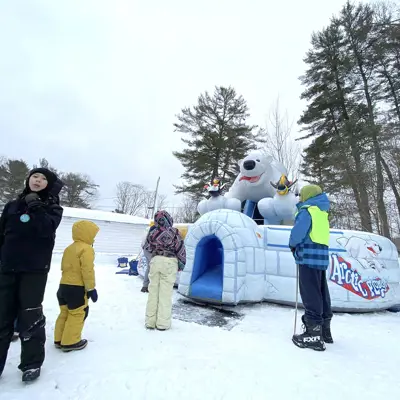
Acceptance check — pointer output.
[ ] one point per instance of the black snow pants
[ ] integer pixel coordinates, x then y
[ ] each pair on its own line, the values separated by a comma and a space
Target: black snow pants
315, 295
21, 296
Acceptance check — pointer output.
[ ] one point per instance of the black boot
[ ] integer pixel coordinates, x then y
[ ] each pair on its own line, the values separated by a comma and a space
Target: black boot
326, 331
311, 338
30, 375
77, 346
145, 289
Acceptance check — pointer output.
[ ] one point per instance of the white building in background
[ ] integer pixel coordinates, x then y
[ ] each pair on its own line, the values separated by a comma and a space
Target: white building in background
119, 234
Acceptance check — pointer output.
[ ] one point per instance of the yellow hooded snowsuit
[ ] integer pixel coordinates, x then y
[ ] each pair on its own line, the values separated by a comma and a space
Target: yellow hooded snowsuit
78, 277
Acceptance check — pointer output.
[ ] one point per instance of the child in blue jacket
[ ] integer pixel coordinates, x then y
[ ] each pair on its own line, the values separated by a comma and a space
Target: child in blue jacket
309, 243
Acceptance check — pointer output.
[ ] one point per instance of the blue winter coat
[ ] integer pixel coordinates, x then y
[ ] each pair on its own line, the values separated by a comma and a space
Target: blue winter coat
308, 253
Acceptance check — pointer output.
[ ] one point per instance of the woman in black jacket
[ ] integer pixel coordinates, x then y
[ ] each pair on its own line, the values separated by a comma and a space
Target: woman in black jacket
27, 234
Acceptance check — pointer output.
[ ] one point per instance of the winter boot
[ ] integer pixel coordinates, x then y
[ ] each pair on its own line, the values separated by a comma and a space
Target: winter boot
326, 331
73, 347
30, 375
145, 289
57, 345
311, 338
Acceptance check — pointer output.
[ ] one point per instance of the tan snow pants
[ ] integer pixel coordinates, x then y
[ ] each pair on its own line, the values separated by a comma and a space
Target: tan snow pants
159, 303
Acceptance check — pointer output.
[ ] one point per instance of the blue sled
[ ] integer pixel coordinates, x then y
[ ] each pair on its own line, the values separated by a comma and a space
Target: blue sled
132, 270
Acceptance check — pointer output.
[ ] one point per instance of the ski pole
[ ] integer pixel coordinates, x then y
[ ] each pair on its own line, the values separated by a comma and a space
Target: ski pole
297, 299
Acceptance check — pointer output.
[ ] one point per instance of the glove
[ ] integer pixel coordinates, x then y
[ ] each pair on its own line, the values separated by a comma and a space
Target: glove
92, 294
32, 199
293, 249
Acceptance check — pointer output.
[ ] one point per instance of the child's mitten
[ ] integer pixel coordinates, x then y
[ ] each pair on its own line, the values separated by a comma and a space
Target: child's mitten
92, 294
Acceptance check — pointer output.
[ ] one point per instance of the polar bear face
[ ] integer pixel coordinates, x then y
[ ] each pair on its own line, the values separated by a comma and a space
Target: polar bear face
373, 248
257, 170
253, 167
360, 248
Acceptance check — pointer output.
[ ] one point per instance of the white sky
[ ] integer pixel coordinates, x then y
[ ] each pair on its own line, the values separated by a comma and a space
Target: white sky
94, 85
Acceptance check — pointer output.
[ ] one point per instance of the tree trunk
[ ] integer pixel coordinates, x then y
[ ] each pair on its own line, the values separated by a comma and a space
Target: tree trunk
359, 189
392, 91
380, 190
377, 151
392, 183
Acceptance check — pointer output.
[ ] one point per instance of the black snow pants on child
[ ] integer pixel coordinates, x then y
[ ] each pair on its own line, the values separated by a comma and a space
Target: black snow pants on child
315, 296
21, 296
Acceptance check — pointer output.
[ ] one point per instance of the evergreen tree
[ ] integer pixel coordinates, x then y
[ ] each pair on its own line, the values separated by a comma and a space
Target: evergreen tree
357, 22
13, 174
353, 94
217, 138
79, 190
334, 117
43, 163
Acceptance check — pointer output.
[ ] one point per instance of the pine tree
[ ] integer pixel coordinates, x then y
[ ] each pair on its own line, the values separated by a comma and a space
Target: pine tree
13, 174
334, 117
217, 137
78, 191
43, 163
357, 22
353, 94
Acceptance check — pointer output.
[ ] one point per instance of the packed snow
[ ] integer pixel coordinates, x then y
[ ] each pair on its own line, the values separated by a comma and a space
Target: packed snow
207, 354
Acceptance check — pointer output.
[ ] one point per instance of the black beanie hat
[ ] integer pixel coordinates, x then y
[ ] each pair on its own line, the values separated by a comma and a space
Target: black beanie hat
50, 176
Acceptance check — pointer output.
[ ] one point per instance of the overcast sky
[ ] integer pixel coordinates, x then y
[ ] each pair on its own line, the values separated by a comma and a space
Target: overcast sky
94, 85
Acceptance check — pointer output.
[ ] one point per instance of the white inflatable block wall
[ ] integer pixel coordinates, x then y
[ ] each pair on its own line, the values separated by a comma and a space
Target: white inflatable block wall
239, 261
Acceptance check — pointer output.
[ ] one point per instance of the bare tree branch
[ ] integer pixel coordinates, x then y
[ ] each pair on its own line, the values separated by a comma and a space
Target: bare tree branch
279, 142
187, 212
130, 198
149, 202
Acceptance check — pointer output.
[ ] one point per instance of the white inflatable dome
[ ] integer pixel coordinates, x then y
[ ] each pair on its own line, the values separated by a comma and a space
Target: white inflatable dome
230, 259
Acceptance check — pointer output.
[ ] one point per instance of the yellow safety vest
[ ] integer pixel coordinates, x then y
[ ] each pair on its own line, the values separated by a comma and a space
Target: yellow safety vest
319, 225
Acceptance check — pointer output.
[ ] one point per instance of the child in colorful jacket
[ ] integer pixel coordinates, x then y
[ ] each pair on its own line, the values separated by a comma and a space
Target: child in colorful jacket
77, 286
309, 242
166, 246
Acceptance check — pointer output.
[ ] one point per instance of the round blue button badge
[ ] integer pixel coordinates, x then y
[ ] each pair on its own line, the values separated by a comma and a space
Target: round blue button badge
25, 218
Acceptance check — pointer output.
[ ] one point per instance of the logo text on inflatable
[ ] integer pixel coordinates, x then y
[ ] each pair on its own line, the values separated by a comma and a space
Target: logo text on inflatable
343, 274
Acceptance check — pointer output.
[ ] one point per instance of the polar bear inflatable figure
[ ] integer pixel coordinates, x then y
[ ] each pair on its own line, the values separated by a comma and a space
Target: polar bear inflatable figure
281, 209
257, 170
365, 251
253, 183
217, 201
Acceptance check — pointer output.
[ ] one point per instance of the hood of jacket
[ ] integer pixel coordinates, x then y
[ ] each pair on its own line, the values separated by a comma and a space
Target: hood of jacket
84, 231
321, 201
163, 219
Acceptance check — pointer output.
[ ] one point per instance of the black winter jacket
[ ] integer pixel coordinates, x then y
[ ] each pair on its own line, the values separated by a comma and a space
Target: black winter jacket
28, 246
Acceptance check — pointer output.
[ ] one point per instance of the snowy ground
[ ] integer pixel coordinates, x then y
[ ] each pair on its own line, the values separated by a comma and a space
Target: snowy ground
240, 357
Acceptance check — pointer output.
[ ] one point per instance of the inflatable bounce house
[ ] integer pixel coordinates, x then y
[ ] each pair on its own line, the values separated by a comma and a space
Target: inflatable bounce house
236, 256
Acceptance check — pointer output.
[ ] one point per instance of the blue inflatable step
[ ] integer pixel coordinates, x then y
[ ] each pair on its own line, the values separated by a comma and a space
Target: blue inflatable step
209, 284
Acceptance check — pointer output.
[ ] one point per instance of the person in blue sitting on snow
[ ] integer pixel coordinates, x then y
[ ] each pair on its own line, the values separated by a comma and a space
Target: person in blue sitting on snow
309, 243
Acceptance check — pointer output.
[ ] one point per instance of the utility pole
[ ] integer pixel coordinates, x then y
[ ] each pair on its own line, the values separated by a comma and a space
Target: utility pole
155, 199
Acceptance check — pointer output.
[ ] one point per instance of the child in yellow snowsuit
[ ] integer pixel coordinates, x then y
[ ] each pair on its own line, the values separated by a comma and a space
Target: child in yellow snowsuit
76, 287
